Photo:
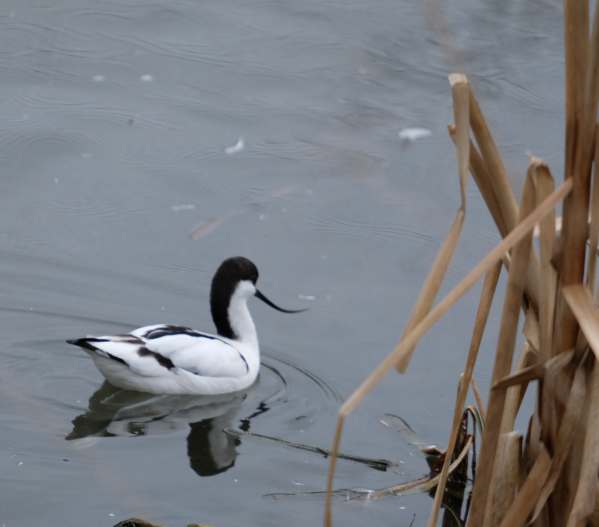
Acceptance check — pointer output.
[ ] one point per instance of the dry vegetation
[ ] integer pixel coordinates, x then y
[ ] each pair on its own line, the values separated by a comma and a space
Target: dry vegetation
549, 476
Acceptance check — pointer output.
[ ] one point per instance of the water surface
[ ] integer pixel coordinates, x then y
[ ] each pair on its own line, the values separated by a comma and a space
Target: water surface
143, 142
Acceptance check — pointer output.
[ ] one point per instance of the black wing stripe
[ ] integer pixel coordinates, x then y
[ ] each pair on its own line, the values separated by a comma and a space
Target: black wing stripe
165, 362
170, 330
118, 359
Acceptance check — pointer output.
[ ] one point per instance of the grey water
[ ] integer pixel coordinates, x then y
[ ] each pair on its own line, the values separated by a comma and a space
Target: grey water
144, 141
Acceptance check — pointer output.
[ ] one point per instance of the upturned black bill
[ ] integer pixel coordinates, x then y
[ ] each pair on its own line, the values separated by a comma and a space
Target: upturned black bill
259, 295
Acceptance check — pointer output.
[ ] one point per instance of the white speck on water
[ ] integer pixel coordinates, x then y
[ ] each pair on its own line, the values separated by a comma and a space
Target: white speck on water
98, 78
298, 483
311, 298
324, 257
146, 78
162, 308
183, 206
78, 401
56, 181
413, 134
262, 217
111, 514
20, 464
236, 148
402, 508
235, 480
86, 155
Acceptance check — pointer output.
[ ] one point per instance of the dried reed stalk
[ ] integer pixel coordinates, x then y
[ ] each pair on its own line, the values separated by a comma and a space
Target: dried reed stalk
498, 179
432, 284
503, 361
522, 230
594, 229
585, 500
507, 477
521, 507
482, 315
576, 41
553, 481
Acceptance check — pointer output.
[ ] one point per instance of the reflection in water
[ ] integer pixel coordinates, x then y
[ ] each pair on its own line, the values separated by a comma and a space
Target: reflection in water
115, 412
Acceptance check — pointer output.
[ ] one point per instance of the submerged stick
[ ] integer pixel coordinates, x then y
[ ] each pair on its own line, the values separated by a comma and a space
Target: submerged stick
377, 464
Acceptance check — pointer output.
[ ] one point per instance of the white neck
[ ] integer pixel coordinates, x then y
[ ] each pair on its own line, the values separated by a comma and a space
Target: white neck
240, 318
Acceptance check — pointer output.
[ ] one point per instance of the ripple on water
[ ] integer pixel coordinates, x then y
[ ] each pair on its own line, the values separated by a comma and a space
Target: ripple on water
50, 385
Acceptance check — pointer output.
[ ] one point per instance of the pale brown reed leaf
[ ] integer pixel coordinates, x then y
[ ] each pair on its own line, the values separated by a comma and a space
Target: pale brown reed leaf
523, 376
568, 428
480, 405
576, 13
522, 229
434, 280
502, 189
484, 183
503, 362
522, 506
594, 228
532, 330
544, 186
460, 91
494, 165
515, 394
482, 315
533, 371
580, 301
585, 499
507, 477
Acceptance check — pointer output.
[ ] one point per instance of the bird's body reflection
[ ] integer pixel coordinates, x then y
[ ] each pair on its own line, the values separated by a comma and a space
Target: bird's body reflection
116, 412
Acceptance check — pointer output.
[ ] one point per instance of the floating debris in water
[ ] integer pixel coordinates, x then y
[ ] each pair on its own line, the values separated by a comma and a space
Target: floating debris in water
206, 228
409, 135
146, 78
262, 217
183, 206
236, 148
98, 78
311, 298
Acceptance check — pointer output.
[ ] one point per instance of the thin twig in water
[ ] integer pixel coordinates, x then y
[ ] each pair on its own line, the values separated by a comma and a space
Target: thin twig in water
377, 464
